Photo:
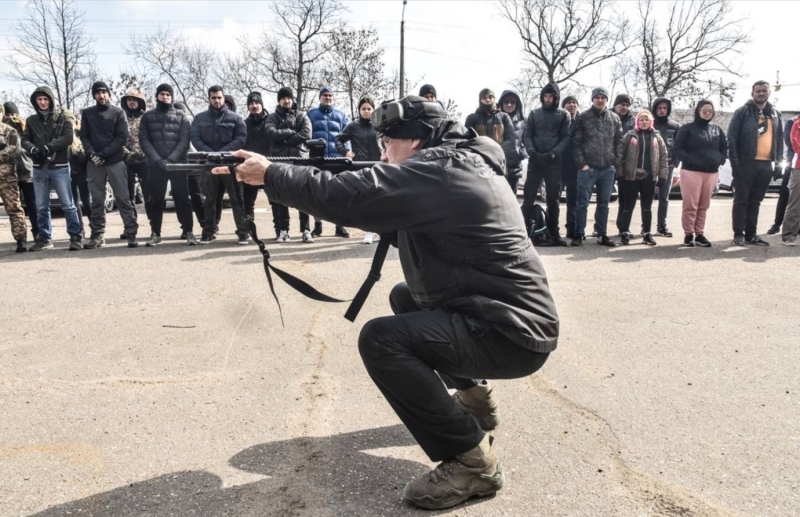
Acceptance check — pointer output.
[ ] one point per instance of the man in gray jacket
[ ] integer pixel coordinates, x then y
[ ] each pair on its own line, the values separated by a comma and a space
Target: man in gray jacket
475, 304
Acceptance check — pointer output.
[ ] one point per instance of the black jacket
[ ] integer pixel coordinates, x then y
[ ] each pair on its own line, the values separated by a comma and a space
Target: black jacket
363, 138
701, 145
53, 130
164, 135
787, 141
104, 131
257, 139
288, 130
597, 139
218, 131
743, 129
667, 127
547, 130
628, 122
516, 155
460, 233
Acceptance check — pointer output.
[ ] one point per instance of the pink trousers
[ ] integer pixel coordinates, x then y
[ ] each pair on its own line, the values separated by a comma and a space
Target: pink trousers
696, 190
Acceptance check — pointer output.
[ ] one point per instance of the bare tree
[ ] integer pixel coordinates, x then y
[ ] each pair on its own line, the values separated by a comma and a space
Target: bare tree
562, 38
355, 65
50, 47
697, 39
168, 56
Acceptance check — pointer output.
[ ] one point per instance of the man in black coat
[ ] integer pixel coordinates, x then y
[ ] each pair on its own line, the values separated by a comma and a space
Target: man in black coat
547, 137
104, 131
569, 171
755, 149
218, 130
258, 142
164, 139
288, 129
475, 302
668, 128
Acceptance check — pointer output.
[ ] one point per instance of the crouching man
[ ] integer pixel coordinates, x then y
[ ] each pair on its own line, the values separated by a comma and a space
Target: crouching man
476, 302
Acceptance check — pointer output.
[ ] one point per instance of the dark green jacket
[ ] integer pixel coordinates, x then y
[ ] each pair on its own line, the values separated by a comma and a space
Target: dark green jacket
597, 139
54, 131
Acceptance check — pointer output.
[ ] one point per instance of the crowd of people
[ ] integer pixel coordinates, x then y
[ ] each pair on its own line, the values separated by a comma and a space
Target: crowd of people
584, 152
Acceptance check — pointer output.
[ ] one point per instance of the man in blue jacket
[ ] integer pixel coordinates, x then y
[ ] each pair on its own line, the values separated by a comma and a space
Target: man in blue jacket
326, 123
218, 130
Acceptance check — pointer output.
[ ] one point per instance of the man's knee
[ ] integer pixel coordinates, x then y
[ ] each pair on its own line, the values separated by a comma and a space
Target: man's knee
379, 339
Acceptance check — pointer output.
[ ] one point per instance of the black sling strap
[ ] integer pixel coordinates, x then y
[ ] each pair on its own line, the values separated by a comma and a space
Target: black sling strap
374, 276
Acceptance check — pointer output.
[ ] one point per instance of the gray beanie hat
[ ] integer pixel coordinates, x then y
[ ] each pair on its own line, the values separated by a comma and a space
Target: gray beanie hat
599, 91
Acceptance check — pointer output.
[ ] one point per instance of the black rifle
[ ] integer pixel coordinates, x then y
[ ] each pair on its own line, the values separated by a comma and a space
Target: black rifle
208, 161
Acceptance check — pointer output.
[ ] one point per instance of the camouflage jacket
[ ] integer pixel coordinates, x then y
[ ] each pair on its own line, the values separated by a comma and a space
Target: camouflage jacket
133, 151
8, 136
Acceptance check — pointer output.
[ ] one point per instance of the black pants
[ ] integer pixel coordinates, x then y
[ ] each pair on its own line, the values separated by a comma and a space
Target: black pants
212, 185
403, 354
645, 189
751, 184
281, 219
783, 198
196, 194
551, 175
220, 199
156, 193
569, 178
26, 188
137, 170
250, 194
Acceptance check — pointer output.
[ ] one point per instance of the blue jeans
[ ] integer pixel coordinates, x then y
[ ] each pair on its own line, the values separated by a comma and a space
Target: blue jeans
604, 179
59, 178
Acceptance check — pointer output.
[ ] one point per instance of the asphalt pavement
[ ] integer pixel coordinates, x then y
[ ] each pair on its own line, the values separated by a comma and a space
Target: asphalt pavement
160, 382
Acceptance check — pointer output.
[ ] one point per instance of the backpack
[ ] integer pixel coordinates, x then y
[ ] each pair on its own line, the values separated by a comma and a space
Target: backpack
539, 232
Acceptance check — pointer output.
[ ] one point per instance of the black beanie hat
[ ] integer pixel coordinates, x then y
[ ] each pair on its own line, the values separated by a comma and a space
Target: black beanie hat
165, 88
180, 106
567, 99
623, 97
230, 100
10, 108
254, 97
426, 89
99, 85
285, 92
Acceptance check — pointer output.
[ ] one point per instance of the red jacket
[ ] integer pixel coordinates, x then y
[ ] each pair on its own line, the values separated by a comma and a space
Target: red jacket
796, 142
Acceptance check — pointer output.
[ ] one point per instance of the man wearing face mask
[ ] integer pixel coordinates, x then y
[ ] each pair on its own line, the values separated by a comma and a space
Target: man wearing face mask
164, 138
475, 303
218, 130
104, 131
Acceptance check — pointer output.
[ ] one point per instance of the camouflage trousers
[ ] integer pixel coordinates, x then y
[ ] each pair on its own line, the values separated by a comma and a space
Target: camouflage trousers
9, 193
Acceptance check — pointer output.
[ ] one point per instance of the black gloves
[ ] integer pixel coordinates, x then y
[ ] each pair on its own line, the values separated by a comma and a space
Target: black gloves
34, 152
661, 182
97, 159
162, 164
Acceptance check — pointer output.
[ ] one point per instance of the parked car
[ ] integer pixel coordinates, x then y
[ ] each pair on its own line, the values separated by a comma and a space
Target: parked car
726, 179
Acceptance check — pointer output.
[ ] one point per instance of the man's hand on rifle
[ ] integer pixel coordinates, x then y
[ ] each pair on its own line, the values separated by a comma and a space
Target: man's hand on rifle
251, 171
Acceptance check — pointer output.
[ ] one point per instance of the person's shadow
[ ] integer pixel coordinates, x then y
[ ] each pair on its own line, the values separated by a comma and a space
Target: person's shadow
320, 476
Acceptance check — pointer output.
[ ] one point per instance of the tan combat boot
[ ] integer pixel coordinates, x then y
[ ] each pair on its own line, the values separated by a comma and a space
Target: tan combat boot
478, 402
476, 473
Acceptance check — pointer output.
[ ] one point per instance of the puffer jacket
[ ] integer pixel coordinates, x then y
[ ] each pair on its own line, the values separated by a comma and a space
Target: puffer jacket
288, 130
133, 152
363, 139
633, 155
667, 127
547, 130
701, 145
597, 139
469, 256
104, 131
743, 133
218, 131
326, 123
164, 135
53, 131
516, 154
258, 140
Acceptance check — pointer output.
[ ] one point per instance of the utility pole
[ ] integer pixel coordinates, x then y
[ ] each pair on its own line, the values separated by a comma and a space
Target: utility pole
403, 52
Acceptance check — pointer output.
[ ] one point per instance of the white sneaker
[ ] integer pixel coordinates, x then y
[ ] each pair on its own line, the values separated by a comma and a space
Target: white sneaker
284, 236
307, 237
368, 237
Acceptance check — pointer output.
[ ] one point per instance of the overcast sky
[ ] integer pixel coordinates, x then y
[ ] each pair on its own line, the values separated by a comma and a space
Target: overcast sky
459, 46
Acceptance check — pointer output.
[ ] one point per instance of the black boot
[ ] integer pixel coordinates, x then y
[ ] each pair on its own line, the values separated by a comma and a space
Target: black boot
75, 243
22, 245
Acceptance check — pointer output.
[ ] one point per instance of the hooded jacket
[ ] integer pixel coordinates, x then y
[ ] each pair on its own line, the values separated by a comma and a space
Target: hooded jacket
547, 129
164, 134
667, 127
701, 145
363, 139
133, 152
13, 118
52, 130
634, 155
218, 131
326, 123
515, 155
104, 131
743, 133
460, 233
288, 130
258, 140
597, 139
